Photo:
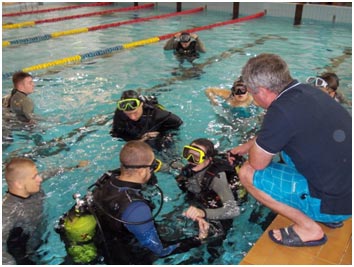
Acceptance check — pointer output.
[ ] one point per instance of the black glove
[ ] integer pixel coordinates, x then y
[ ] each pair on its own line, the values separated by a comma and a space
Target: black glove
16, 246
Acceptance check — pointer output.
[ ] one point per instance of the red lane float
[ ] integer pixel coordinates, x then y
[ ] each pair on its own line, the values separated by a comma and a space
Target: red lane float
55, 9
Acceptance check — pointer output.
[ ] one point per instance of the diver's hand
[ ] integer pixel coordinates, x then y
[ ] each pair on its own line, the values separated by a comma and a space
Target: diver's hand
203, 228
194, 213
149, 135
194, 35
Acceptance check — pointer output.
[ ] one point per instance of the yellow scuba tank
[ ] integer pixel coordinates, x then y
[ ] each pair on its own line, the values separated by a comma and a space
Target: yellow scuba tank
80, 229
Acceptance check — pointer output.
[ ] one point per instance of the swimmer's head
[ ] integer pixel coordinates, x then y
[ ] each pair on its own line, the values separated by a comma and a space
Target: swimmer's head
185, 37
131, 105
239, 87
129, 94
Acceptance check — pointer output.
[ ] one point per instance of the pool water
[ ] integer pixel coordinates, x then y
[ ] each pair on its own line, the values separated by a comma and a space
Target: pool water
75, 103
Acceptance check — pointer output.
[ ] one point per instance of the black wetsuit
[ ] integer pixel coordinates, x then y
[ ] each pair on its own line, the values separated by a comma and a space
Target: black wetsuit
22, 227
190, 51
153, 119
131, 243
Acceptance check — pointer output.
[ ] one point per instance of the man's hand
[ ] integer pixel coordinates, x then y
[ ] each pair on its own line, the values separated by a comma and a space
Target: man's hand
239, 150
149, 135
194, 36
194, 213
203, 228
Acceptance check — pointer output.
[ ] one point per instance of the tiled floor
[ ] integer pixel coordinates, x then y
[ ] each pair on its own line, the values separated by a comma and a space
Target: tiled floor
337, 250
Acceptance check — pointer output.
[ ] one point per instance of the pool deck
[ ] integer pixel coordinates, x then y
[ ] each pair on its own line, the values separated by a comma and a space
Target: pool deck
337, 250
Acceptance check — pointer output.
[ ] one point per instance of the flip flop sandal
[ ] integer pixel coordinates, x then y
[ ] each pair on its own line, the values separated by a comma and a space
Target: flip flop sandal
290, 238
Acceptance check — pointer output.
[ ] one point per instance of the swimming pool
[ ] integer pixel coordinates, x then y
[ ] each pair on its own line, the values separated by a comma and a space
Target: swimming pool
76, 102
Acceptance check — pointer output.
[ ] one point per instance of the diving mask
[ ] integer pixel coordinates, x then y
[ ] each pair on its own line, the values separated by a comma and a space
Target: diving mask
317, 81
238, 89
128, 104
193, 154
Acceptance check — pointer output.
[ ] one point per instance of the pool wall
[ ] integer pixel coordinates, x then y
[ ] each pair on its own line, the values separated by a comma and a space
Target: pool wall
329, 13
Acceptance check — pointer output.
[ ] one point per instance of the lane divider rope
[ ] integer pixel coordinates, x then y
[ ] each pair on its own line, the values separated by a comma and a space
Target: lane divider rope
101, 52
15, 14
97, 13
95, 28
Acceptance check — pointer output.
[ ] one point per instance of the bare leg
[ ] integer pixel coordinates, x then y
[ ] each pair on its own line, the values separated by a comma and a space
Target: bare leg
305, 227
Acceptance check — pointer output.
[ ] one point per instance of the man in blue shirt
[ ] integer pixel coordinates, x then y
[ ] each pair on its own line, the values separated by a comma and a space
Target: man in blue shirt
313, 133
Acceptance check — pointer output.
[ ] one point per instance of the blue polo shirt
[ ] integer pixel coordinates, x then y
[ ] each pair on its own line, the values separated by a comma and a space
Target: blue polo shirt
315, 131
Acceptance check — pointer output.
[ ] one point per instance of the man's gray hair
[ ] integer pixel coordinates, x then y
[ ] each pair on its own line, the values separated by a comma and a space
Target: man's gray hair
266, 70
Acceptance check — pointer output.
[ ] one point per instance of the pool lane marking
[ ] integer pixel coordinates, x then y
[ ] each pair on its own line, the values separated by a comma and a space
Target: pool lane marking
15, 14
32, 23
95, 28
78, 58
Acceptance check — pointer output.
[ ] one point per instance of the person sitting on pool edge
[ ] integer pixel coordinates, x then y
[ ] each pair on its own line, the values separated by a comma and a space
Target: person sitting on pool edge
237, 97
329, 83
186, 46
136, 119
314, 135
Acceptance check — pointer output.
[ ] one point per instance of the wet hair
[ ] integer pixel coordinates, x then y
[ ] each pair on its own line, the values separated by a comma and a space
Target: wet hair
208, 145
185, 37
19, 76
135, 153
239, 80
266, 70
332, 80
129, 94
16, 169
238, 83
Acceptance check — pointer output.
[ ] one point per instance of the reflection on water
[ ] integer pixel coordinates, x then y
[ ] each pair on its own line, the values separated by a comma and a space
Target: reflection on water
76, 103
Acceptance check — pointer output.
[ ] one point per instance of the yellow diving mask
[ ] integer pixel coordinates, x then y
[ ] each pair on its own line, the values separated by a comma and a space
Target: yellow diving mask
193, 154
128, 104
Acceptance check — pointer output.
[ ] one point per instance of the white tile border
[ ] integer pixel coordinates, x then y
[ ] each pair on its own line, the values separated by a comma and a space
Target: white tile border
327, 13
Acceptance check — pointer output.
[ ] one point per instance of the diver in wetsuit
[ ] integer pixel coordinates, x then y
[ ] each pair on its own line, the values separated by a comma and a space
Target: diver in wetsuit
136, 119
185, 46
214, 195
125, 215
23, 220
18, 101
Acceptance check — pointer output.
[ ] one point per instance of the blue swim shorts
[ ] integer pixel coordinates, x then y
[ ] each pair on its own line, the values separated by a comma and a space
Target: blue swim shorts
285, 184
